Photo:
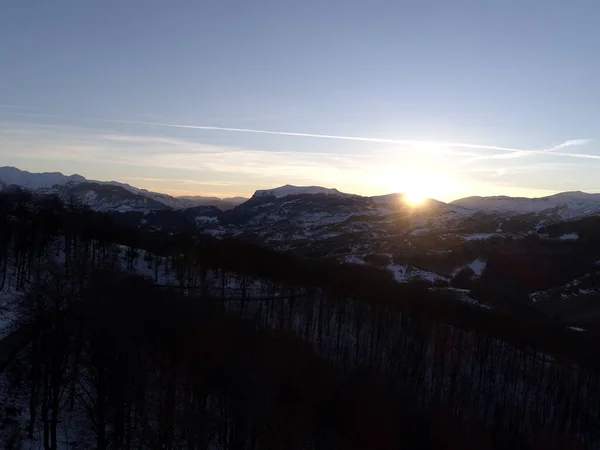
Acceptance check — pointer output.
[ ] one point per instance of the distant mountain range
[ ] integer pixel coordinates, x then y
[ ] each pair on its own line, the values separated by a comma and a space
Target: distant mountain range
432, 242
116, 196
105, 195
565, 205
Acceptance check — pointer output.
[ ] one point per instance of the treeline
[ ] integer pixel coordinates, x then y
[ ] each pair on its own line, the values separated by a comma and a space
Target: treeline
499, 381
127, 365
141, 367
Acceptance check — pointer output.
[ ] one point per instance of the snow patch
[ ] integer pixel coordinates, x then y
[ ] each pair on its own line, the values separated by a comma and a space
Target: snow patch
204, 219
463, 295
569, 237
479, 236
478, 266
354, 260
399, 272
405, 274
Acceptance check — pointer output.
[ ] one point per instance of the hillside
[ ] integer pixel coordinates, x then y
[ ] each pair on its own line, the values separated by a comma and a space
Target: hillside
148, 325
104, 195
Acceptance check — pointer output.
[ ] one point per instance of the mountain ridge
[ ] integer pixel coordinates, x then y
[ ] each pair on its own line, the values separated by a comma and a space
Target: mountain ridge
65, 186
559, 206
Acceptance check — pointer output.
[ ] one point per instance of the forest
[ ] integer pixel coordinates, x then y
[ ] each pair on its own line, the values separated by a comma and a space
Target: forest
119, 337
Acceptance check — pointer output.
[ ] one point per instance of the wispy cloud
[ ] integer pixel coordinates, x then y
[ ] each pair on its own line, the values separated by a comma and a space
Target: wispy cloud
183, 181
383, 166
185, 157
18, 106
501, 171
445, 146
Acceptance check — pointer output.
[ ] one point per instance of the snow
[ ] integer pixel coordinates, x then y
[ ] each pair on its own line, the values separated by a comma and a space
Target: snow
46, 181
12, 175
463, 295
354, 260
327, 235
399, 272
478, 266
404, 274
566, 205
200, 219
479, 236
6, 298
288, 189
569, 236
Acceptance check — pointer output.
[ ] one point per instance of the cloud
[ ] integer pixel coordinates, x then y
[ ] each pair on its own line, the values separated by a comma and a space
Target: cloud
445, 146
497, 172
376, 169
414, 142
183, 181
186, 157
18, 107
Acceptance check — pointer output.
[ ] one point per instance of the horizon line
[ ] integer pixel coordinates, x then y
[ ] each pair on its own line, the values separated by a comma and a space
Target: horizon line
248, 196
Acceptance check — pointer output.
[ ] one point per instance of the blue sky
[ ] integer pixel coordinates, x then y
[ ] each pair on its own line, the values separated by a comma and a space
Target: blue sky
90, 87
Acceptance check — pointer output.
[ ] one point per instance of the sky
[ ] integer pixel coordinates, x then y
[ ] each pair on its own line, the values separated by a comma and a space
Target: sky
439, 98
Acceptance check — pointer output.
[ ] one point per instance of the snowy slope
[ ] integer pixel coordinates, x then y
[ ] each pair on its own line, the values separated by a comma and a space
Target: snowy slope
288, 189
12, 175
565, 205
120, 198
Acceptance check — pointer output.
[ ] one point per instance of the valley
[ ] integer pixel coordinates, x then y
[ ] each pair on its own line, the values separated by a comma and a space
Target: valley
472, 314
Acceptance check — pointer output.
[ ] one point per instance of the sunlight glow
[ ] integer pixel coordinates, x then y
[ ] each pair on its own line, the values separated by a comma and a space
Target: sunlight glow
414, 198
419, 186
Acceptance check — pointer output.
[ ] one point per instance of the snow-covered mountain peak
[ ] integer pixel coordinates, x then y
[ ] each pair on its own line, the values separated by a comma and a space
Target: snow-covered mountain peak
564, 205
288, 189
11, 175
574, 195
103, 195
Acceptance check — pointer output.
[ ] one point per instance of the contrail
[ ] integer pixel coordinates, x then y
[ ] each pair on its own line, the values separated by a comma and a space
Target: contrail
19, 107
552, 150
578, 155
511, 152
322, 136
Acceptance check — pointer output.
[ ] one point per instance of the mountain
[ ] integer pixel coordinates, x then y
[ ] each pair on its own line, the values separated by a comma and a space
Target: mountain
104, 195
459, 245
221, 203
433, 241
565, 205
288, 189
201, 313
13, 176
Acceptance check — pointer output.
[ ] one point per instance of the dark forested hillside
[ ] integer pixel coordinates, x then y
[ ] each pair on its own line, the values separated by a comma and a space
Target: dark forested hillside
124, 337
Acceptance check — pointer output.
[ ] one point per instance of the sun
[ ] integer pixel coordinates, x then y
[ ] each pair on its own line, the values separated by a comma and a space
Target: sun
415, 197
417, 188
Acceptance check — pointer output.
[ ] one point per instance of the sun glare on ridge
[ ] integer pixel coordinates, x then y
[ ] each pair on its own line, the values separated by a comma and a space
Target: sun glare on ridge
416, 188
414, 198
